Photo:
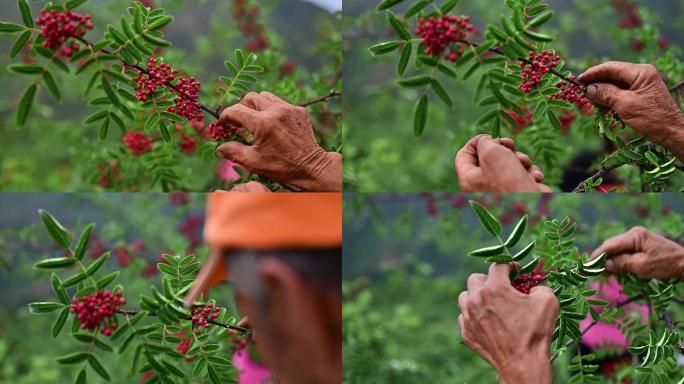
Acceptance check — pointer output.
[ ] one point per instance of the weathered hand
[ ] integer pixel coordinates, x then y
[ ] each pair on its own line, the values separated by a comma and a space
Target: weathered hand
491, 165
283, 148
509, 329
639, 95
643, 253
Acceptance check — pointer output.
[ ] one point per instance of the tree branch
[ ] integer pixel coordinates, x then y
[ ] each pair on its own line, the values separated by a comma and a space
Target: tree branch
241, 330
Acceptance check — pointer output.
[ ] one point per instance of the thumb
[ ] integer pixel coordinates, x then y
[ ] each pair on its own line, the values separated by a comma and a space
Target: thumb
237, 152
606, 94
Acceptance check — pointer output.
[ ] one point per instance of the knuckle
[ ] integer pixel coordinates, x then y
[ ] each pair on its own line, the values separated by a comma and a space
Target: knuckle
638, 231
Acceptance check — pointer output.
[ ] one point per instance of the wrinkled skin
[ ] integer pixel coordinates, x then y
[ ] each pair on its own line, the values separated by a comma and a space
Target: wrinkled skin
643, 253
485, 164
512, 331
283, 147
640, 97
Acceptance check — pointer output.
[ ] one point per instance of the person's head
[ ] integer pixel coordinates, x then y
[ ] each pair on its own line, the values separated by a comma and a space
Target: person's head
292, 299
282, 253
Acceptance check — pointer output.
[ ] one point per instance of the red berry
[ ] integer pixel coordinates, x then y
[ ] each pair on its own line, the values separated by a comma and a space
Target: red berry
138, 142
447, 32
94, 309
222, 131
536, 67
58, 27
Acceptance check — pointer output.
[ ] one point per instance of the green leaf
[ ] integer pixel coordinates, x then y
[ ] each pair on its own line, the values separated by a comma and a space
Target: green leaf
83, 241
98, 368
95, 265
109, 91
415, 81
57, 287
420, 116
538, 36
398, 26
107, 279
385, 47
97, 116
159, 42
448, 6
415, 8
387, 4
19, 44
10, 27
524, 252
59, 322
529, 267
74, 358
212, 375
517, 233
71, 4
553, 119
540, 19
490, 223
171, 116
81, 378
51, 85
231, 68
57, 262
56, 230
439, 91
25, 13
73, 280
26, 103
404, 59
160, 23
166, 269
494, 250
164, 132
44, 307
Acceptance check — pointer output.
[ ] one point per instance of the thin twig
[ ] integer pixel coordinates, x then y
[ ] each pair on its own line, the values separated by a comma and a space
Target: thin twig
241, 330
601, 173
321, 99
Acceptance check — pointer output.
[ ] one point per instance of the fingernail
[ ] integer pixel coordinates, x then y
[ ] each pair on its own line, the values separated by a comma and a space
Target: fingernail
610, 264
590, 91
218, 153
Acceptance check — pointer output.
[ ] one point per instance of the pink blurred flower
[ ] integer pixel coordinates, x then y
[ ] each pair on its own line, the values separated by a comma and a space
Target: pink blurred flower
226, 172
250, 371
608, 336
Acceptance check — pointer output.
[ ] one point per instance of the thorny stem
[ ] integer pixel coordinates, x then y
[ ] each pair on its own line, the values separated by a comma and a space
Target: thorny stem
498, 51
241, 330
321, 99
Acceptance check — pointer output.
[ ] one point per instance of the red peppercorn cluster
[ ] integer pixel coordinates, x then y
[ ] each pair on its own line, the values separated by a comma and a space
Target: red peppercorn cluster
222, 131
184, 345
521, 121
138, 142
58, 27
536, 67
570, 92
247, 17
186, 104
239, 343
201, 316
524, 283
187, 144
95, 309
158, 74
446, 32
631, 18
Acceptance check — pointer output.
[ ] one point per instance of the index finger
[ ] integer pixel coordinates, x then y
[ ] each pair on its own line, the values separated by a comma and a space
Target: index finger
466, 158
624, 243
241, 115
615, 72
